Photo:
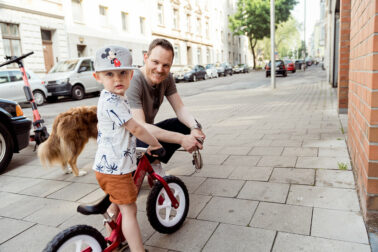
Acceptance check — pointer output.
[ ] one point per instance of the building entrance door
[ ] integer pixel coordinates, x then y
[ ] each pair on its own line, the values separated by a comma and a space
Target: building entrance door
189, 55
48, 55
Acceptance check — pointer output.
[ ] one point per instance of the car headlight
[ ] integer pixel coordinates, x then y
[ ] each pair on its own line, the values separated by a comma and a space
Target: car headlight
63, 81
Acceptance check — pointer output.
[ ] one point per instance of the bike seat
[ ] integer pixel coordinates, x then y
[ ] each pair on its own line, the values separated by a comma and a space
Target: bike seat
98, 208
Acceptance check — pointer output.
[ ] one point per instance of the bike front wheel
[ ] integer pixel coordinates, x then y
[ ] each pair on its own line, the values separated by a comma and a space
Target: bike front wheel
77, 238
162, 216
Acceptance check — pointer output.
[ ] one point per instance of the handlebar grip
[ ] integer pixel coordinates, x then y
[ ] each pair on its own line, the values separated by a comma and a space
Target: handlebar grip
13, 59
159, 152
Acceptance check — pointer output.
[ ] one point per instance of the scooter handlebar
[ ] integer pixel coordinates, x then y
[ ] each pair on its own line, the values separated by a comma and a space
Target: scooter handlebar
14, 59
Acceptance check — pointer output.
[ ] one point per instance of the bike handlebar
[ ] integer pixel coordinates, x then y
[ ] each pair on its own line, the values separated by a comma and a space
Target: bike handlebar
14, 59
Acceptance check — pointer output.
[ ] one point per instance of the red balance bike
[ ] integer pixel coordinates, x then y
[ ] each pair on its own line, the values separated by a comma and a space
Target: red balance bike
167, 208
40, 131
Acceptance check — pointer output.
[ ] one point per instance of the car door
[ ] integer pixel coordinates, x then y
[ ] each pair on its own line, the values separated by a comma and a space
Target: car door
202, 72
85, 76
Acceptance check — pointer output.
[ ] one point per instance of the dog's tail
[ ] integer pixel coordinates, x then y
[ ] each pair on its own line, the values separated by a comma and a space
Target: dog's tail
49, 152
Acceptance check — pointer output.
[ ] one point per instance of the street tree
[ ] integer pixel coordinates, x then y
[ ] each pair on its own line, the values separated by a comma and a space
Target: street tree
252, 18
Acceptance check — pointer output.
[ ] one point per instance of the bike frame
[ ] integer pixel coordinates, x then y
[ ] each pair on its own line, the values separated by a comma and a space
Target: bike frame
144, 166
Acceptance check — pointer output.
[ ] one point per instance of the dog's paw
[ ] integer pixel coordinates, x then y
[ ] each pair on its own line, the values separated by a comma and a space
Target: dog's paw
82, 173
68, 170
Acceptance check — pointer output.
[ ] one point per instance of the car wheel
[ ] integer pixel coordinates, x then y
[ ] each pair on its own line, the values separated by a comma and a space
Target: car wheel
39, 97
206, 77
293, 71
77, 92
6, 147
285, 74
194, 78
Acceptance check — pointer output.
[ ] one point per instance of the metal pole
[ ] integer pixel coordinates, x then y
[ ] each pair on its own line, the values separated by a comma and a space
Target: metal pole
272, 51
304, 31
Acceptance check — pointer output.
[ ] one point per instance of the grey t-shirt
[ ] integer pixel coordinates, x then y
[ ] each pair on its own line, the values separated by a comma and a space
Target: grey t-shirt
142, 95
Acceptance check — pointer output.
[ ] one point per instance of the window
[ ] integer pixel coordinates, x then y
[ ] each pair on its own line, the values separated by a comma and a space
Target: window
199, 55
160, 14
46, 35
222, 36
229, 57
175, 18
229, 39
199, 27
176, 59
4, 78
188, 26
142, 21
85, 66
11, 39
77, 11
15, 76
103, 15
125, 22
208, 55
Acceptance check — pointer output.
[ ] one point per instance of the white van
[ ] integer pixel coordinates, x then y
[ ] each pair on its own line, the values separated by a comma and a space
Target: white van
72, 77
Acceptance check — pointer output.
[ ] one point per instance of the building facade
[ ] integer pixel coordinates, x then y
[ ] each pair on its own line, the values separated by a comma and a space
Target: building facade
36, 26
353, 47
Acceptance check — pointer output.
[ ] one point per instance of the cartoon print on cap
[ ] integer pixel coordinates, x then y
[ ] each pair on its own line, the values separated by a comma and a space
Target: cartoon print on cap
111, 56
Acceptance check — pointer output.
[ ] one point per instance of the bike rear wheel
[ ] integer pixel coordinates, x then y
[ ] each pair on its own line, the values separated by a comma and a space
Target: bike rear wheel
77, 238
162, 216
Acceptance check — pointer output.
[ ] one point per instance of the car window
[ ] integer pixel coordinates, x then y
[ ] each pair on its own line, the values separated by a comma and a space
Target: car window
4, 77
201, 67
15, 76
86, 64
64, 66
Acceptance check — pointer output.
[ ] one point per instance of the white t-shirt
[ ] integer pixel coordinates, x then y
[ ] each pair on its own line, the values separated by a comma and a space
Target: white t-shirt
116, 145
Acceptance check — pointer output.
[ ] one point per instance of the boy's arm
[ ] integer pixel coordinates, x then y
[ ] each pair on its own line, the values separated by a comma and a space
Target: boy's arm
188, 142
141, 133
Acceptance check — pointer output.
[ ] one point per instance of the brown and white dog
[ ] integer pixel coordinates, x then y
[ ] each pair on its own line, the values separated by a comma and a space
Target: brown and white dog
70, 132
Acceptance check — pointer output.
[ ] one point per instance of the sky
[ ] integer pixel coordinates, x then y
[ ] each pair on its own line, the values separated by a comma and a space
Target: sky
312, 15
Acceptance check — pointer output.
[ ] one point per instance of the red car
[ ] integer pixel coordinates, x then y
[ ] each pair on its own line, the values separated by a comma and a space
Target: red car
290, 66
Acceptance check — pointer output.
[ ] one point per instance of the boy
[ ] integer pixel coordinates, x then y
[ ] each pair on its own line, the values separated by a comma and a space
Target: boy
115, 157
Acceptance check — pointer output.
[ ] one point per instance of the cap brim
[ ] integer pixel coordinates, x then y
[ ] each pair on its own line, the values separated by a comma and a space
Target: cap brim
116, 68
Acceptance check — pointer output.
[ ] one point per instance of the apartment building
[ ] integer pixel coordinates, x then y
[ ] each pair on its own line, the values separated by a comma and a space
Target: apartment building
36, 26
199, 31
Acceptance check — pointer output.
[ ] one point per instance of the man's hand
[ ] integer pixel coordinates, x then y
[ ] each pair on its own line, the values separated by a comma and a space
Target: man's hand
190, 143
197, 133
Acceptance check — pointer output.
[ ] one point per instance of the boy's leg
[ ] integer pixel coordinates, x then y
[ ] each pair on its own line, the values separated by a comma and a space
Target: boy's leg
174, 125
130, 227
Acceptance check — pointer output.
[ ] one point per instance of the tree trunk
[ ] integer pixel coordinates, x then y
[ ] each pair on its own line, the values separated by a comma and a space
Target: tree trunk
253, 51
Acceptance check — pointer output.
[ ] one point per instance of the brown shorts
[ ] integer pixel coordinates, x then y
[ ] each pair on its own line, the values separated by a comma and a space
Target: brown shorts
121, 188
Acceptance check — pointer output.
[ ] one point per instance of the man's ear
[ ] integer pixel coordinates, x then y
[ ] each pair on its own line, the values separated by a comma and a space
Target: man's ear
131, 74
145, 57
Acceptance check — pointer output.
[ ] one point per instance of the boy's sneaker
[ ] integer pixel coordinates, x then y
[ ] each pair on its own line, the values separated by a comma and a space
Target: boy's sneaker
158, 169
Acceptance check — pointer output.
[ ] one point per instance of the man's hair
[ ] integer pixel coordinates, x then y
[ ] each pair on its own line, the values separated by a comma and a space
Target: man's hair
163, 43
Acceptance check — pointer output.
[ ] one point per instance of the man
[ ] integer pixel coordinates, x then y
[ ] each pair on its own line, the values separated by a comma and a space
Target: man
146, 93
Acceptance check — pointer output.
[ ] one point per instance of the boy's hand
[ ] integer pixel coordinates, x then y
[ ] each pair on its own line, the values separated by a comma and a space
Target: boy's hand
153, 147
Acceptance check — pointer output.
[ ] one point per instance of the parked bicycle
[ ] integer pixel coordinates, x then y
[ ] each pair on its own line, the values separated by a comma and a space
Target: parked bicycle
167, 208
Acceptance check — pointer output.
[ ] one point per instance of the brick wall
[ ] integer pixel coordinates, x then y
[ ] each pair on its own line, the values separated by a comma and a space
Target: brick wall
363, 100
344, 56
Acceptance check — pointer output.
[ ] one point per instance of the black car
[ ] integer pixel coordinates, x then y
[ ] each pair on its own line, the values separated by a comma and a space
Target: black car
14, 131
280, 68
227, 68
191, 73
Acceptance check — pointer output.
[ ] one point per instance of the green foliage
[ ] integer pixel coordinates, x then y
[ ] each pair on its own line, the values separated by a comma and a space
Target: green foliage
252, 19
342, 165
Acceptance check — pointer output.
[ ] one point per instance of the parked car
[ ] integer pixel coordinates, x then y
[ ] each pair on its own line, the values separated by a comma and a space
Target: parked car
211, 71
191, 73
227, 68
12, 86
220, 69
280, 68
73, 77
240, 68
299, 64
290, 66
14, 131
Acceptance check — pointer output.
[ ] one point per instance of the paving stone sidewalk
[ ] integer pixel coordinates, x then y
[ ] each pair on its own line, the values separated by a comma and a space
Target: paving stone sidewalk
276, 177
